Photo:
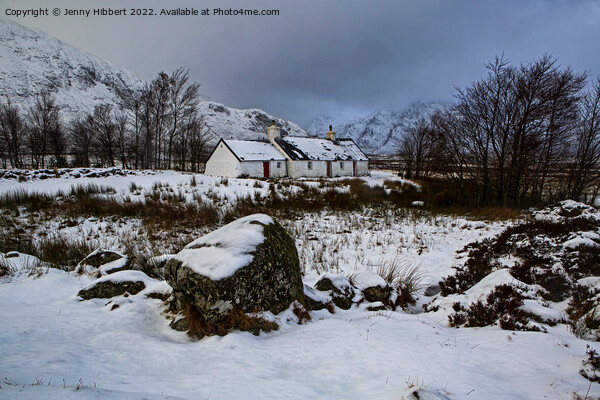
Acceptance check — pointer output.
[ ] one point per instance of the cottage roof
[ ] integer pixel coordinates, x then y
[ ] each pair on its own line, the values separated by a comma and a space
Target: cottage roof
250, 150
301, 148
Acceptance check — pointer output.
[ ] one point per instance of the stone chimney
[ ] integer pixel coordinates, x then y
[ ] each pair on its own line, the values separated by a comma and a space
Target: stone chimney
273, 132
330, 134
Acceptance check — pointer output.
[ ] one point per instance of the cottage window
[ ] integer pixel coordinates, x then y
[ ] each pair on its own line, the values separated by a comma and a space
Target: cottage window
341, 165
278, 164
310, 165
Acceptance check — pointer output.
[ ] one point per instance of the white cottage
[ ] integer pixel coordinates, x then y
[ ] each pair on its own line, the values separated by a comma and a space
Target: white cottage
234, 158
288, 156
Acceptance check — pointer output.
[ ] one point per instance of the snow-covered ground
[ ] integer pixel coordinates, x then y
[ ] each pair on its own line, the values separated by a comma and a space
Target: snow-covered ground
52, 345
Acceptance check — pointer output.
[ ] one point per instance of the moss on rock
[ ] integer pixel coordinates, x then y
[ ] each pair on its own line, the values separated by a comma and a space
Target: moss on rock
270, 282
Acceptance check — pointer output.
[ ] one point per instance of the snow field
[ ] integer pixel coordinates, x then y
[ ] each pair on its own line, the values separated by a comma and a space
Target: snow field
82, 350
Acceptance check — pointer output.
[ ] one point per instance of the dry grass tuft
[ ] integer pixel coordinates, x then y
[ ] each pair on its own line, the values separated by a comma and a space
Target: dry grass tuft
236, 319
64, 252
406, 278
301, 313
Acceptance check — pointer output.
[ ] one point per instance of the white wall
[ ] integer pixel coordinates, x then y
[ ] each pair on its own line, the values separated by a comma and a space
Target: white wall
222, 162
362, 168
336, 167
255, 169
300, 169
281, 171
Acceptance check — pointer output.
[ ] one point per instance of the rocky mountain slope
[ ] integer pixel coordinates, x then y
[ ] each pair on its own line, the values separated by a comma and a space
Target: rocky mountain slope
379, 132
31, 61
234, 123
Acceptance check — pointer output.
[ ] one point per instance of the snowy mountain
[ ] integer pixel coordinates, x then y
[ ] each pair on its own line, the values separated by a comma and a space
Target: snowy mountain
232, 123
379, 132
31, 61
320, 124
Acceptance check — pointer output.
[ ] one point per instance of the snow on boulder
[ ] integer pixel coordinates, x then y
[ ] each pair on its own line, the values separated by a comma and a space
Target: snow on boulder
373, 286
340, 287
116, 284
249, 265
103, 262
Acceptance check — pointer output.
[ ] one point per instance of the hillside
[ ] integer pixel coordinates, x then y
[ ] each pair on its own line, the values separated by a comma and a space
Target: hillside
379, 132
31, 61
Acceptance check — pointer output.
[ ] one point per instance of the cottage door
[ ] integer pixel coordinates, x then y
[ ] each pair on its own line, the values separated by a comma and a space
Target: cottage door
353, 168
329, 174
266, 169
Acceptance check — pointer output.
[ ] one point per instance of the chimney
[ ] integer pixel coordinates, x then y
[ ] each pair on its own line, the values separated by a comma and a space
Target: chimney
273, 132
331, 134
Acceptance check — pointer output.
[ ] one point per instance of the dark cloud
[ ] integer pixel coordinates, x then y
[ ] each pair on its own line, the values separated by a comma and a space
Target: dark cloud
333, 55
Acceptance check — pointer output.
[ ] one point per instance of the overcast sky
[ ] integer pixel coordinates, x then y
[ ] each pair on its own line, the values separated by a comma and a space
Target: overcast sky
324, 56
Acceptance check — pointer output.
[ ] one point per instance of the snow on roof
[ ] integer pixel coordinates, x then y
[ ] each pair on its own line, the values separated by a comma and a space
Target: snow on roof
249, 150
219, 254
299, 148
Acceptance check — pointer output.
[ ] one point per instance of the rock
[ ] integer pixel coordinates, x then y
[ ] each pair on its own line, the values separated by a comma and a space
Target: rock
249, 265
341, 290
180, 324
373, 286
103, 262
432, 290
378, 306
116, 284
155, 267
377, 293
313, 300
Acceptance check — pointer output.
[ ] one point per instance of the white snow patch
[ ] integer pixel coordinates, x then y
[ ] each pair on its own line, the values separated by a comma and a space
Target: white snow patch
219, 254
366, 279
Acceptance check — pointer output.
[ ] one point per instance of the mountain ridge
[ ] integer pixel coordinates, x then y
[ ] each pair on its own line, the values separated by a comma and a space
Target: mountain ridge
379, 132
32, 61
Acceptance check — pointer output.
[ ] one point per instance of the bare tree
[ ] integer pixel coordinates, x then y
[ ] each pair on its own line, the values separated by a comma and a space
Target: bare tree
183, 103
415, 148
44, 121
104, 130
12, 130
81, 138
585, 171
509, 133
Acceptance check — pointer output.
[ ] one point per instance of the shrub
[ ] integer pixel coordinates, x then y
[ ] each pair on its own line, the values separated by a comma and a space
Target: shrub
502, 306
582, 312
591, 366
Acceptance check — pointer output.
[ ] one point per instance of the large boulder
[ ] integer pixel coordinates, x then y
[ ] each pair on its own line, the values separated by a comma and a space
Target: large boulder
249, 265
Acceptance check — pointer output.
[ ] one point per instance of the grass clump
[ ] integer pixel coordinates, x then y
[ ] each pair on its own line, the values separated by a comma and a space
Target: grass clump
236, 319
23, 198
64, 252
85, 190
405, 278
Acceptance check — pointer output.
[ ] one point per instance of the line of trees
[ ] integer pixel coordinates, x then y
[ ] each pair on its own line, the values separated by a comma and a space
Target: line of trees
523, 135
157, 127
